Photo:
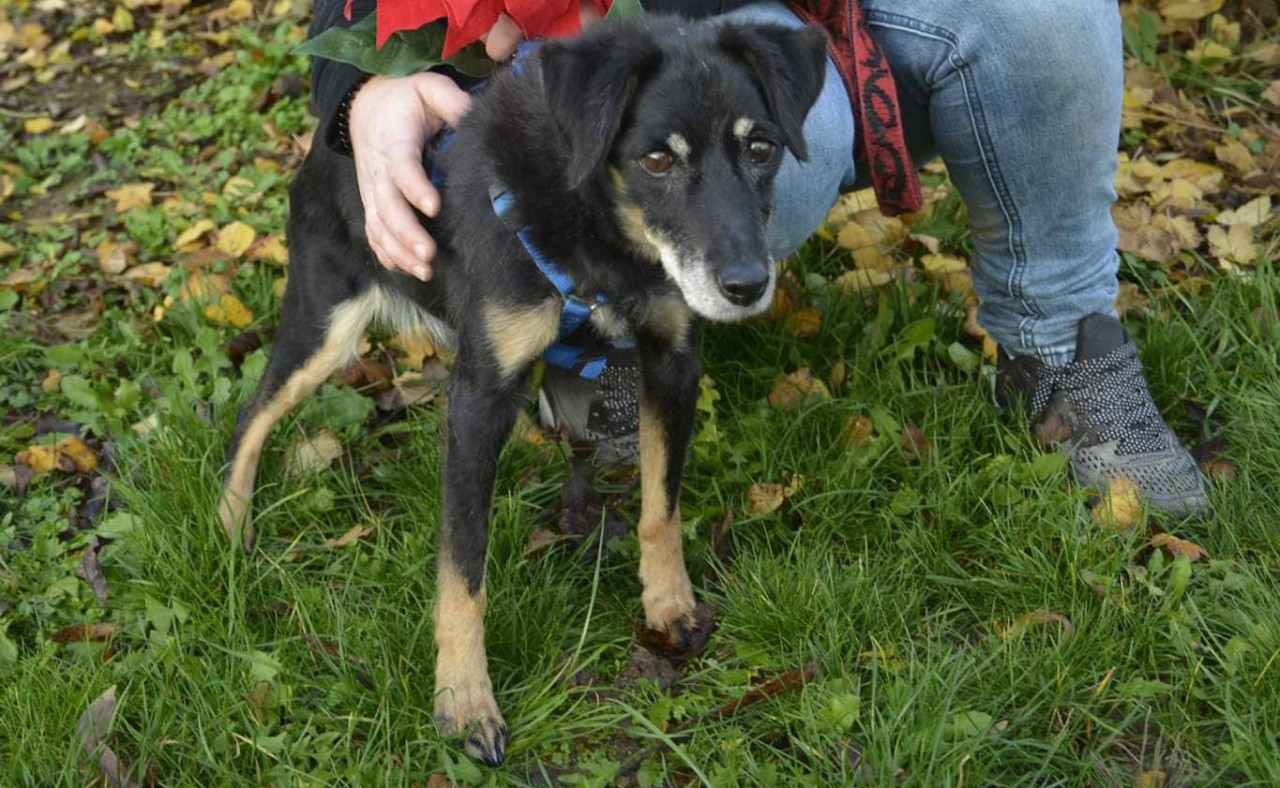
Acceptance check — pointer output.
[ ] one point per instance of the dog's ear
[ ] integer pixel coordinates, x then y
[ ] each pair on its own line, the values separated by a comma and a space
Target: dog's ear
789, 65
589, 84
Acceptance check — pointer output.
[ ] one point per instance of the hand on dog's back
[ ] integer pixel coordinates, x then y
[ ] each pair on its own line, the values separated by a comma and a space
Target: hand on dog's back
391, 121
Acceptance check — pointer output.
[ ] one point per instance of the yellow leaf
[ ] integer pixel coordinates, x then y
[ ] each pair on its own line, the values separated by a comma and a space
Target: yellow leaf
1208, 52
803, 322
40, 458
38, 125
7, 250
1151, 779
270, 249
52, 382
939, 264
1252, 213
859, 280
858, 429
237, 186
188, 239
352, 534
203, 287
1234, 244
1224, 31
235, 11
1187, 9
122, 20
764, 498
79, 453
113, 258
132, 195
230, 311
1272, 93
416, 345
236, 238
156, 39
1120, 507
1038, 616
148, 274
1234, 154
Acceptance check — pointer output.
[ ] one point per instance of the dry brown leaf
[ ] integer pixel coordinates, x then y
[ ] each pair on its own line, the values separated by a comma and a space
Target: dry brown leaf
236, 238
1038, 616
1234, 244
353, 533
202, 286
80, 633
1236, 155
1120, 507
790, 390
1272, 93
132, 195
858, 429
915, 443
764, 498
1177, 547
1252, 213
803, 322
312, 454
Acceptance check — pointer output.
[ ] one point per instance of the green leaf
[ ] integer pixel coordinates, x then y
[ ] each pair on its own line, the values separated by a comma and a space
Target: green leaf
405, 52
65, 356
624, 8
968, 723
8, 298
80, 392
964, 358
1142, 688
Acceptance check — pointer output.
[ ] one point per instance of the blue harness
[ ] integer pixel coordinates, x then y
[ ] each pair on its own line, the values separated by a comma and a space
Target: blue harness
586, 362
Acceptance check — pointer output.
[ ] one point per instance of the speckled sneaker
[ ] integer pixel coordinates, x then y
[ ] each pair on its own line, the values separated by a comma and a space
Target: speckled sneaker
1099, 409
604, 411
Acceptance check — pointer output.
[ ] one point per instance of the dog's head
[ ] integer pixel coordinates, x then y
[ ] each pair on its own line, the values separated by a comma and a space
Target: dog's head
684, 125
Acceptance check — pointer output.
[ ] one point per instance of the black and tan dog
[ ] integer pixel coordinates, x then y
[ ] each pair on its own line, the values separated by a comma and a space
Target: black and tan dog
641, 157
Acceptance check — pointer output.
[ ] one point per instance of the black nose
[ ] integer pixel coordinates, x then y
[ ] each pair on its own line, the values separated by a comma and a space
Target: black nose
743, 286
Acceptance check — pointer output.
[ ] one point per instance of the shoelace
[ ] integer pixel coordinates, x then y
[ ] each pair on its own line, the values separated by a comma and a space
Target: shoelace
1110, 396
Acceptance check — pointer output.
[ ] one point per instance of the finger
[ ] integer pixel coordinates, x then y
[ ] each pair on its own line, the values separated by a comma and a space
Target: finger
394, 256
405, 239
502, 39
411, 179
442, 97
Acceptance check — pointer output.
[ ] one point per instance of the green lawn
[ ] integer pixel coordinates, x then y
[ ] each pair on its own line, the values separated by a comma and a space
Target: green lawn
971, 620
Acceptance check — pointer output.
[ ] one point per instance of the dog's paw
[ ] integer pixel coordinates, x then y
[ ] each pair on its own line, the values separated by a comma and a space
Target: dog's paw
473, 714
237, 519
683, 637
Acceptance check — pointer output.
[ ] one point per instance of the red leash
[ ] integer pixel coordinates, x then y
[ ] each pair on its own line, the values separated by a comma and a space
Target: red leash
880, 144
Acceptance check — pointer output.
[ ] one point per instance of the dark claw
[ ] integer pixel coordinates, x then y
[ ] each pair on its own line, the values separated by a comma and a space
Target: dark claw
487, 741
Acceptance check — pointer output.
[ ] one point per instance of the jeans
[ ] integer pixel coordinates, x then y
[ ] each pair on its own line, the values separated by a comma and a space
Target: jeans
1021, 98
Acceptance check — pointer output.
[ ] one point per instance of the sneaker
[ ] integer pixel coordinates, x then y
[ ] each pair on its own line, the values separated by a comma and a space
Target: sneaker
1099, 409
604, 412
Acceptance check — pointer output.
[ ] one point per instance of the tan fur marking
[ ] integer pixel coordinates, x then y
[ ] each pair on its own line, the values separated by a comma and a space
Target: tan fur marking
463, 691
742, 127
667, 593
669, 318
346, 325
679, 145
517, 335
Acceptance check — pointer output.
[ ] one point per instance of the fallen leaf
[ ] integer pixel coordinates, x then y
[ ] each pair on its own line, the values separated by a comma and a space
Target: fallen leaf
858, 429
80, 633
43, 458
37, 125
131, 195
803, 322
1039, 616
1251, 214
790, 390
1177, 547
236, 238
269, 249
114, 257
148, 274
764, 498
1120, 506
92, 729
1187, 9
859, 279
1150, 779
1272, 93
201, 287
1234, 244
353, 533
229, 311
915, 443
188, 240
79, 453
313, 454
1236, 155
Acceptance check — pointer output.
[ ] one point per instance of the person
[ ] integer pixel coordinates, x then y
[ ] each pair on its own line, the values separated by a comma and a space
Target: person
1020, 98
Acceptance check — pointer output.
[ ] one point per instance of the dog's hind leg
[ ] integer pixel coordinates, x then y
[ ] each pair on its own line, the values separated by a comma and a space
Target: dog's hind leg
668, 396
308, 348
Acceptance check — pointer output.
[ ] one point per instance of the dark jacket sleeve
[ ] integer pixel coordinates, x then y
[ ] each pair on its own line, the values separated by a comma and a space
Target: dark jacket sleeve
330, 80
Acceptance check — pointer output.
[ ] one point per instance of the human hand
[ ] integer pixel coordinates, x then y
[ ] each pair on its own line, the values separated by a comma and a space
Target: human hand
391, 120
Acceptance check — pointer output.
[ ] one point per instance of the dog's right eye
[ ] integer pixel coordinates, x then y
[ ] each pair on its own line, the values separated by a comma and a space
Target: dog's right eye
657, 162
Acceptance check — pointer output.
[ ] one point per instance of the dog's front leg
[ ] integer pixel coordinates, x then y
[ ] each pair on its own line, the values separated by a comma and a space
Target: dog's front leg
482, 410
668, 396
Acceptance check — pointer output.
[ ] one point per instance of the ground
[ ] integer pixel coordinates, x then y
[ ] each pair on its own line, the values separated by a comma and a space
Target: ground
906, 586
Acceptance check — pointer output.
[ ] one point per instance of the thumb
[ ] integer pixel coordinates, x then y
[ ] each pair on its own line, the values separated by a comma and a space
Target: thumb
442, 98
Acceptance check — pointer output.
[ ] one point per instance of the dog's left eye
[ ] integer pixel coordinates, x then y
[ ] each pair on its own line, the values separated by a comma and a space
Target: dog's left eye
761, 151
657, 163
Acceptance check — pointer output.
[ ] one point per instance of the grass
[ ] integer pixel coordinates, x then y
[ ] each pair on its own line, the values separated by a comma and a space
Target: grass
971, 621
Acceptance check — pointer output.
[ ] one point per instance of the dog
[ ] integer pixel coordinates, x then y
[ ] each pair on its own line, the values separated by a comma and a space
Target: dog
640, 157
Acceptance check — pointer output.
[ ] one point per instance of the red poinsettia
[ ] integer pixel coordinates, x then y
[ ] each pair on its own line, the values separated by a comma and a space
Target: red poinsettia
467, 20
